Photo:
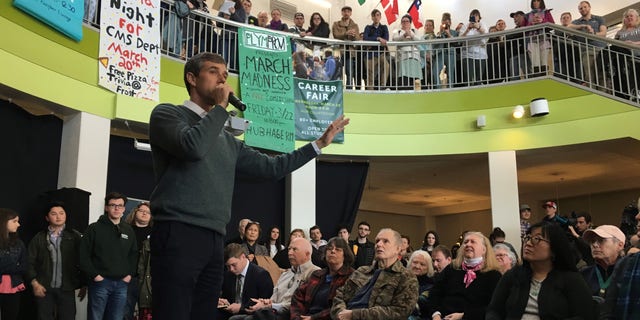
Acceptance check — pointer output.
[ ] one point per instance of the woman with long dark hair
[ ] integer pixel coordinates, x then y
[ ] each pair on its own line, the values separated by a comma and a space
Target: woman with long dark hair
274, 241
317, 26
547, 285
13, 264
431, 240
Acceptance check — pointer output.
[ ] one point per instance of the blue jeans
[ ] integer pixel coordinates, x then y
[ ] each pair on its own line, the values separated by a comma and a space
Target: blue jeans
107, 299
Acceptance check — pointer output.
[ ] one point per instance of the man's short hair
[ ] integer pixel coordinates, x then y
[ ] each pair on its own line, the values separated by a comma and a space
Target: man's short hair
346, 8
298, 14
114, 195
375, 11
304, 235
364, 223
53, 204
233, 250
194, 65
585, 215
396, 235
442, 248
313, 228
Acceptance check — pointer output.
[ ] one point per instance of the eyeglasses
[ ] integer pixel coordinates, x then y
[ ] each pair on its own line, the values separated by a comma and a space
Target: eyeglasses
501, 255
534, 240
403, 21
143, 211
115, 206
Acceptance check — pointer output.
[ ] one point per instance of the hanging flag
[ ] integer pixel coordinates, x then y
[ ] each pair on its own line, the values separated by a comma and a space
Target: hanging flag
414, 12
361, 2
390, 10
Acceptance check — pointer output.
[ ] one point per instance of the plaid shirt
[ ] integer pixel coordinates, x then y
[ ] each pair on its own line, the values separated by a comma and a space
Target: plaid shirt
524, 226
302, 298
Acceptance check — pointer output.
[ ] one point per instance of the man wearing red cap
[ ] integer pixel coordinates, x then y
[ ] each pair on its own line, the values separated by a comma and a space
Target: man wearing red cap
607, 245
551, 211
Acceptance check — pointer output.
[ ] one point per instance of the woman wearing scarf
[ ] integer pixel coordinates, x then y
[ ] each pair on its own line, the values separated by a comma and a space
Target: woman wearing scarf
464, 288
547, 285
276, 23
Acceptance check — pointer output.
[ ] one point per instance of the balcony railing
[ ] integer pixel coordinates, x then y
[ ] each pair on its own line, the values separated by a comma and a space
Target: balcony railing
602, 65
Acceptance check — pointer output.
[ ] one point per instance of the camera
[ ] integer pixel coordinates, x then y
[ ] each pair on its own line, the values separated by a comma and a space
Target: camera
472, 19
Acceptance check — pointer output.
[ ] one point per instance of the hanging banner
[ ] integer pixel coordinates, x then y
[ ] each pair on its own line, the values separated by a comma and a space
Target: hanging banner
318, 103
63, 15
266, 84
129, 58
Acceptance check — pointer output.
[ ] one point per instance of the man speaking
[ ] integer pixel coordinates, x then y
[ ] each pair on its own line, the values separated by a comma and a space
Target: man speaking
195, 160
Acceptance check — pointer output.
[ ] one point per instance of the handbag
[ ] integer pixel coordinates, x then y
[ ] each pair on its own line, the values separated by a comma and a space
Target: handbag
181, 8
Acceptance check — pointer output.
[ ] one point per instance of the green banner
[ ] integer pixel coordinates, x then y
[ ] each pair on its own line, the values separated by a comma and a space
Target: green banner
266, 84
318, 103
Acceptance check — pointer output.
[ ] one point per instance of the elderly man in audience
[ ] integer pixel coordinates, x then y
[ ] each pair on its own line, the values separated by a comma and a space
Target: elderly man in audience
465, 289
314, 297
607, 248
383, 290
277, 307
241, 282
505, 257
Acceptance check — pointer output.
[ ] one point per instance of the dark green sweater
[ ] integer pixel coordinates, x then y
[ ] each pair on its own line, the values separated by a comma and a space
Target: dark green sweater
108, 250
195, 161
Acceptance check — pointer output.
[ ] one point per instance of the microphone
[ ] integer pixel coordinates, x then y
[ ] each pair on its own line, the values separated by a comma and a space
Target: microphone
237, 102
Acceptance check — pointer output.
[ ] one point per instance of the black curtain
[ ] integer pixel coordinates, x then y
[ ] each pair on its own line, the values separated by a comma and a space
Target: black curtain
130, 170
339, 189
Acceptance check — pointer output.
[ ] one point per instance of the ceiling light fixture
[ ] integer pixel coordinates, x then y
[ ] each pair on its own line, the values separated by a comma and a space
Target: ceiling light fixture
518, 112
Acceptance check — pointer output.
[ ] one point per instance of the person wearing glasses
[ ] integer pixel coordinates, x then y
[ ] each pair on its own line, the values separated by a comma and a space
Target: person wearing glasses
141, 221
108, 257
506, 258
547, 284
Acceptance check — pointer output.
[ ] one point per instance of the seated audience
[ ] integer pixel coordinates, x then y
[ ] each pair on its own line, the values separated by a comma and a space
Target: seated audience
431, 240
547, 285
464, 289
622, 301
421, 266
277, 307
383, 290
441, 256
274, 244
250, 243
607, 247
405, 249
241, 282
314, 297
505, 257
282, 257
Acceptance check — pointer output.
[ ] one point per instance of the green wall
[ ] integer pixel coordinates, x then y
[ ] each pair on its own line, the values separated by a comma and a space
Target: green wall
39, 61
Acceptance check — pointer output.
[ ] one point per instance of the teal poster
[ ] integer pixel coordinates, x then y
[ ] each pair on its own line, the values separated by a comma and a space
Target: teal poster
318, 103
266, 87
63, 15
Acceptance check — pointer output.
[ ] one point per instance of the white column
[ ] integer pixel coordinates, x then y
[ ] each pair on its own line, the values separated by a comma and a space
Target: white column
83, 158
503, 177
301, 198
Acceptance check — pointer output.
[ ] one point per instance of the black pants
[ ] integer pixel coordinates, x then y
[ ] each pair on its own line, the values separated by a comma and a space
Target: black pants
57, 301
10, 305
186, 271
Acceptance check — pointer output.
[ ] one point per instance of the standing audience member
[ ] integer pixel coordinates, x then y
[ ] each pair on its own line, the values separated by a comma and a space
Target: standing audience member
474, 55
583, 223
427, 52
54, 267
250, 244
314, 297
276, 22
517, 50
343, 232
195, 161
363, 249
377, 64
408, 67
590, 49
242, 281
298, 24
346, 29
317, 27
277, 307
547, 285
565, 51
441, 256
247, 10
421, 265
525, 215
627, 78
171, 30
505, 257
13, 264
607, 248
444, 55
140, 220
431, 240
465, 289
108, 256
383, 290
539, 45
497, 53
263, 19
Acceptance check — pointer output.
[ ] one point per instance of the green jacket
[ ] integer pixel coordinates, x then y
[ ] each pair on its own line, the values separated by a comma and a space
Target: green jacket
41, 265
394, 295
144, 275
108, 250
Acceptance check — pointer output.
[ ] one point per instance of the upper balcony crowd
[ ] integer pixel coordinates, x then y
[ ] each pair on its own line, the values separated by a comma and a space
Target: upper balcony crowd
443, 55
